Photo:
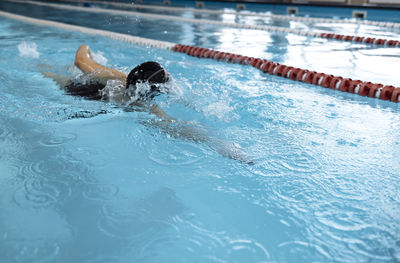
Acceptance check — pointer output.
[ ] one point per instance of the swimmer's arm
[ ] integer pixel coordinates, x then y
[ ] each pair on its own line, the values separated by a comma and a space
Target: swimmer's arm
184, 130
59, 79
154, 109
84, 61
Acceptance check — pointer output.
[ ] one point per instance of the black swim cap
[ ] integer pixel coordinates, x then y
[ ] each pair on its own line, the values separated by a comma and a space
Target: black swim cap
150, 72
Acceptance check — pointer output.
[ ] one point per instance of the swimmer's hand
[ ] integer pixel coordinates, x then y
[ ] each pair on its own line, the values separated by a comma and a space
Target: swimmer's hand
230, 150
192, 132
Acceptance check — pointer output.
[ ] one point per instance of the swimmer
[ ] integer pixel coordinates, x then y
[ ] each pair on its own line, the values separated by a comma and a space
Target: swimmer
91, 85
96, 76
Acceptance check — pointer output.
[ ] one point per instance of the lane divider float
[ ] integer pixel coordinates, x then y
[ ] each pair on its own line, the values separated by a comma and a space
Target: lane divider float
91, 31
221, 12
275, 29
363, 88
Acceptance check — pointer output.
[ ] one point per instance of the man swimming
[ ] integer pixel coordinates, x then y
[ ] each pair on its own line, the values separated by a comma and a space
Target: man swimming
143, 83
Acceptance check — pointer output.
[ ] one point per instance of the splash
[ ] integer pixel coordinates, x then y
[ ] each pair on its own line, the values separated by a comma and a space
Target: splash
99, 58
114, 91
28, 49
145, 90
220, 109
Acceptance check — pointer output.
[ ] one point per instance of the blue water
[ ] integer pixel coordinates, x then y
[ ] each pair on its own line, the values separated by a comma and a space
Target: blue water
111, 187
357, 61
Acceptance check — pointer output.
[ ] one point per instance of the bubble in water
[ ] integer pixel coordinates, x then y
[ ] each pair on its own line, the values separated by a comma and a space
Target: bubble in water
28, 49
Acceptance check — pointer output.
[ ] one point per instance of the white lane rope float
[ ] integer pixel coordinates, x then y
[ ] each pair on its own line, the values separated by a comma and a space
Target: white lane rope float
90, 31
363, 88
349, 38
244, 13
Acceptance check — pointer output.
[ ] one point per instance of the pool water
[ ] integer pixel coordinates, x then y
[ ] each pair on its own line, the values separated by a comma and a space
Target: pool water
354, 60
89, 181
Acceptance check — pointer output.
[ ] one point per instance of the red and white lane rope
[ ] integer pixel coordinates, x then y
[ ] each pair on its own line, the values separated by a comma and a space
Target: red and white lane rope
358, 39
363, 88
267, 15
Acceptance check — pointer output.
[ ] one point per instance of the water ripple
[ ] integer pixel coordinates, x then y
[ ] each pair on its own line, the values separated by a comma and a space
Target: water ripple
284, 157
51, 141
92, 157
344, 189
98, 192
246, 250
343, 220
302, 162
35, 251
304, 250
215, 246
295, 161
156, 245
181, 153
119, 223
38, 192
31, 169
106, 259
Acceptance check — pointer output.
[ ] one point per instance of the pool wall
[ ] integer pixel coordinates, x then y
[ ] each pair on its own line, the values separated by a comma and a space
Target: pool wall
379, 13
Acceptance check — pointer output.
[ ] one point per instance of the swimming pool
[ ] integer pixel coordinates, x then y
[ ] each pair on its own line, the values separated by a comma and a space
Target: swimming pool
79, 186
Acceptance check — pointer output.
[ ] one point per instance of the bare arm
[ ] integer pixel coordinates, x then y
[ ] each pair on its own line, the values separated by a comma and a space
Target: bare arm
196, 133
59, 79
84, 61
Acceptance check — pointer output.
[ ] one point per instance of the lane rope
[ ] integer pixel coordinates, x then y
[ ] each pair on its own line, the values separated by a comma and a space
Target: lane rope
348, 38
267, 15
363, 88
90, 31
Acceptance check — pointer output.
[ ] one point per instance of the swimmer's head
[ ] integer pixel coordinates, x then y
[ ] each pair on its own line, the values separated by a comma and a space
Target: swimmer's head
147, 72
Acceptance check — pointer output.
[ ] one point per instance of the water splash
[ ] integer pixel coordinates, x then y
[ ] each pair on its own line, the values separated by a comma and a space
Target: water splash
28, 49
220, 109
115, 91
99, 58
